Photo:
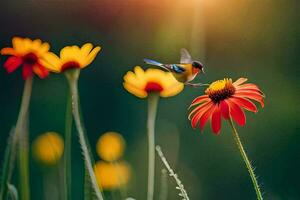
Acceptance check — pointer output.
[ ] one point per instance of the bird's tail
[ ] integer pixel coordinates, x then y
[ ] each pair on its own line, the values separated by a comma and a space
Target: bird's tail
152, 62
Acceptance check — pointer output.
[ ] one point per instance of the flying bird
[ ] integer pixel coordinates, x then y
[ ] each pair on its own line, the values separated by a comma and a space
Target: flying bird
186, 71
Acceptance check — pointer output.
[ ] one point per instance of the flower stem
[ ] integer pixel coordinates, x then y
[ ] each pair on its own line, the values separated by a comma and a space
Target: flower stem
152, 108
67, 156
246, 160
22, 135
72, 76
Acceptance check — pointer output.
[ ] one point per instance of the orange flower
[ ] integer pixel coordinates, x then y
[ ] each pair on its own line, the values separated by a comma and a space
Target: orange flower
225, 99
28, 54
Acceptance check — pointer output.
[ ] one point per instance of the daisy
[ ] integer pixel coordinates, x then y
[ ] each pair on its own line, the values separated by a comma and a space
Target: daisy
225, 99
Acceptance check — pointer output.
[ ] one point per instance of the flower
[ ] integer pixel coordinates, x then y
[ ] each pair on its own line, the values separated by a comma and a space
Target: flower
28, 54
112, 175
140, 83
71, 57
48, 148
110, 146
225, 99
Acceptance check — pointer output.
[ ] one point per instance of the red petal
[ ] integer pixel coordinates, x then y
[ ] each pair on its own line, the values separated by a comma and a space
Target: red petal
245, 103
224, 109
207, 115
199, 100
27, 71
199, 114
250, 95
250, 90
240, 81
216, 120
197, 109
12, 63
236, 112
248, 85
41, 71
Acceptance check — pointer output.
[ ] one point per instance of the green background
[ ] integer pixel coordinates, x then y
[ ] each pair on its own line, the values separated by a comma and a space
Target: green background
235, 38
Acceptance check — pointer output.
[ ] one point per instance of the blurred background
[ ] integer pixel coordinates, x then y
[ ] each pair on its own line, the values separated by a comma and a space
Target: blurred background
234, 38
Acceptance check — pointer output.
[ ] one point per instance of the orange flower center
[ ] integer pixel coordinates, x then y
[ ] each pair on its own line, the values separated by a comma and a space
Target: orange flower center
153, 87
30, 59
220, 90
70, 65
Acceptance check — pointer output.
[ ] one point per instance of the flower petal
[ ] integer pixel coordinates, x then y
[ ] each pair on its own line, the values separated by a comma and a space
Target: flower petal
236, 112
224, 109
250, 95
198, 115
91, 56
135, 91
239, 81
216, 120
51, 61
27, 71
248, 86
41, 71
198, 100
8, 51
197, 109
245, 103
207, 115
12, 64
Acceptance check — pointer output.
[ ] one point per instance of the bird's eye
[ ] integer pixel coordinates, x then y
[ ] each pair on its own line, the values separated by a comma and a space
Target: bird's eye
197, 65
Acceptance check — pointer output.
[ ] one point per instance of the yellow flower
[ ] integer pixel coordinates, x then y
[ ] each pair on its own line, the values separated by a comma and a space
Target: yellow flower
140, 83
48, 148
71, 57
110, 146
112, 175
28, 54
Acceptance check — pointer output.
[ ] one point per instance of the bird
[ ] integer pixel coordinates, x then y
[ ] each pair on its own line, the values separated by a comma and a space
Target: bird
186, 71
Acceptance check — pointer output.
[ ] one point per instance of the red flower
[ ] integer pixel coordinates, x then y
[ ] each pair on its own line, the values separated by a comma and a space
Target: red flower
28, 54
225, 99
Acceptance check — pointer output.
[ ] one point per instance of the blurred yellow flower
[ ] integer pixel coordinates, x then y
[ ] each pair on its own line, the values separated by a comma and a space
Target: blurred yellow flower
48, 148
28, 54
71, 57
140, 83
112, 175
110, 146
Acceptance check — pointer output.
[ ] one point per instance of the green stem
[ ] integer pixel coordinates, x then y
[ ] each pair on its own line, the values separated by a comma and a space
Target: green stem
22, 135
8, 163
152, 108
67, 156
72, 76
246, 160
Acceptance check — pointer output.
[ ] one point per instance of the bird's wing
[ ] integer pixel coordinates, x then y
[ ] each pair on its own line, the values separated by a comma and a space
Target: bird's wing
185, 56
176, 68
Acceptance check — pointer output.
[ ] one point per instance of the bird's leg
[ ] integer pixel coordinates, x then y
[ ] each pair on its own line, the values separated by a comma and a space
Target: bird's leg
196, 84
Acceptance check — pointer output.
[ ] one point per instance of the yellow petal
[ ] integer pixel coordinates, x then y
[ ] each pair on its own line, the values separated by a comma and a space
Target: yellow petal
91, 56
135, 91
51, 62
132, 79
18, 45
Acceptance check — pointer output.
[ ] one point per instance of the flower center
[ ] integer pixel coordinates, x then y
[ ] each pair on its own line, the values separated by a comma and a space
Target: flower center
70, 65
220, 90
153, 87
30, 59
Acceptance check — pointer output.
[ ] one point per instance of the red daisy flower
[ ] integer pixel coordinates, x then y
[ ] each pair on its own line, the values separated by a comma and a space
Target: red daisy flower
225, 99
28, 54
